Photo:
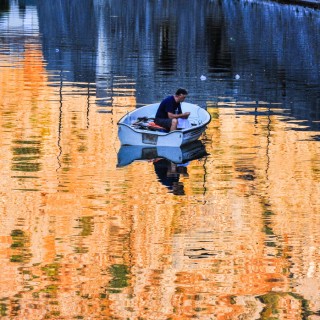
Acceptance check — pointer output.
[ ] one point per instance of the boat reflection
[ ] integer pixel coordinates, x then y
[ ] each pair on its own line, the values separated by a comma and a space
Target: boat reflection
169, 174
170, 163
177, 155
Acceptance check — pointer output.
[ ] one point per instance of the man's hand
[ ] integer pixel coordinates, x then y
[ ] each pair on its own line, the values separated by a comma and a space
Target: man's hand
185, 115
180, 115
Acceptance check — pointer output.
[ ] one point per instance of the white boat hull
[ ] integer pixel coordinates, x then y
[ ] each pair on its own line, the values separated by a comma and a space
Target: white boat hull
130, 135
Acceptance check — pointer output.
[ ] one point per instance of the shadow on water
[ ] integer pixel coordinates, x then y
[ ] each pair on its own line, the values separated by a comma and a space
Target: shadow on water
4, 6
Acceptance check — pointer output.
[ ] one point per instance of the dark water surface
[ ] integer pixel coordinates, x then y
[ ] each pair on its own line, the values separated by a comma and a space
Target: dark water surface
226, 228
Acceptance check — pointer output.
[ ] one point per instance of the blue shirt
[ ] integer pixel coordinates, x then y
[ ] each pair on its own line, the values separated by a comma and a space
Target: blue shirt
168, 105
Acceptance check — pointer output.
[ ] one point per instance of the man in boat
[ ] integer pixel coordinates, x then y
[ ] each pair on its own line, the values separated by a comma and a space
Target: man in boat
169, 110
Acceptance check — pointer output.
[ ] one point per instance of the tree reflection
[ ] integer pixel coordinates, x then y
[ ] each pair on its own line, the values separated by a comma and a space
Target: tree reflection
4, 5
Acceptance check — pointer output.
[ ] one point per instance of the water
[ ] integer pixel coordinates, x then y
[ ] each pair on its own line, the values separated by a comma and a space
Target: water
226, 228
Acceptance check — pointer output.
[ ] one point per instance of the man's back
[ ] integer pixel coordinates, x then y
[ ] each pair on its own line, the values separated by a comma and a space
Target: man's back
168, 105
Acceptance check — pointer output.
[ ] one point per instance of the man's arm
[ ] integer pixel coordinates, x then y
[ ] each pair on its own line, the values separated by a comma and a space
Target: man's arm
184, 115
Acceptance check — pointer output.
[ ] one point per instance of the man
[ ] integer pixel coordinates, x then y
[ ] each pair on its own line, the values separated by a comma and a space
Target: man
169, 110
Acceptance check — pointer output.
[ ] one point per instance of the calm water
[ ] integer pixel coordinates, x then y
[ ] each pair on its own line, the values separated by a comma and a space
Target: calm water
227, 228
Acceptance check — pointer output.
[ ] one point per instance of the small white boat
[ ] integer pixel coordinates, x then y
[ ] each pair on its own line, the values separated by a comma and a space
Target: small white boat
133, 128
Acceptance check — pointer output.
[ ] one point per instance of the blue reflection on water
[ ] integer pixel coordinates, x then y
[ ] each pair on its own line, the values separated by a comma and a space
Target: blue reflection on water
273, 49
246, 50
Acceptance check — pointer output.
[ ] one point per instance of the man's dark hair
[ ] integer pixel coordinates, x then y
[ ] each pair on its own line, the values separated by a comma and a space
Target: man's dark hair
181, 91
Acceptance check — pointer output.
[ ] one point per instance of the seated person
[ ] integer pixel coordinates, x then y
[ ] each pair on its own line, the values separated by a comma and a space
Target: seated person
169, 110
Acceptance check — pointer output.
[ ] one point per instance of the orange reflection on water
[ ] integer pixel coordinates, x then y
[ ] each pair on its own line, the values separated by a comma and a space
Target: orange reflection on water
83, 238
